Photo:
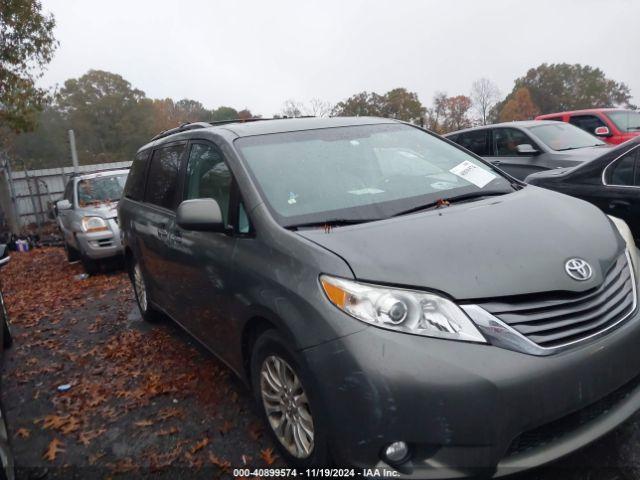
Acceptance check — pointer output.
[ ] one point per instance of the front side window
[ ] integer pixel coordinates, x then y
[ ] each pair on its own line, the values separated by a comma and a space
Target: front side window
97, 190
162, 184
588, 123
360, 172
208, 176
475, 141
625, 172
562, 136
626, 120
506, 141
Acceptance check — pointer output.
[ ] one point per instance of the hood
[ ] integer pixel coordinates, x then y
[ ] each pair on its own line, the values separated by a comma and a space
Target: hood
510, 245
584, 154
104, 210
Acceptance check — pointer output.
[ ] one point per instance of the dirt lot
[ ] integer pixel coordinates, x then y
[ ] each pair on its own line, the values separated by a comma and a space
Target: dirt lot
146, 401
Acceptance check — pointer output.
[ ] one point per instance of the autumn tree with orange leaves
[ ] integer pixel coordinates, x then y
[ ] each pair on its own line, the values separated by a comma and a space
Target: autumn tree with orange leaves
519, 107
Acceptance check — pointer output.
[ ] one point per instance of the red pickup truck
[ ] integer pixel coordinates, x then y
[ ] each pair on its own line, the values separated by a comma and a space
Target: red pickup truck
613, 125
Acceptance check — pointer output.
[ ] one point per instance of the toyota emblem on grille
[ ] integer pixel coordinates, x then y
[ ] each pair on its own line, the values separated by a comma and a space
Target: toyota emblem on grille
578, 269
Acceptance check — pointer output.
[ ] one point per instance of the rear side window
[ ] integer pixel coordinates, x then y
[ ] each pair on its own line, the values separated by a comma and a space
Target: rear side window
134, 188
475, 141
625, 172
162, 184
588, 123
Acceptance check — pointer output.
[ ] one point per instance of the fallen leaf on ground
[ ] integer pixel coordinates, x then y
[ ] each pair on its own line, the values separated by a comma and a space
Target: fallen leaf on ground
199, 446
23, 433
55, 447
268, 456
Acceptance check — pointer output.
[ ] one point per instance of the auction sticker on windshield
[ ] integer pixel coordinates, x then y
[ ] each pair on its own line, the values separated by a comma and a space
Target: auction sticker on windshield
472, 173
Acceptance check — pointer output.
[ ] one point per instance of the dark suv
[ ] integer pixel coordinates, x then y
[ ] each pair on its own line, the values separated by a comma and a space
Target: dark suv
392, 299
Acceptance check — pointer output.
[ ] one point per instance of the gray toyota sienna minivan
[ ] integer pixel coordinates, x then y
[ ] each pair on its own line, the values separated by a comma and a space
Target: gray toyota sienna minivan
392, 300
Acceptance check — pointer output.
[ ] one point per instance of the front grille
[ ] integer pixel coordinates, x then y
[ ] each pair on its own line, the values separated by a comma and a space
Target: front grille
105, 243
553, 320
550, 432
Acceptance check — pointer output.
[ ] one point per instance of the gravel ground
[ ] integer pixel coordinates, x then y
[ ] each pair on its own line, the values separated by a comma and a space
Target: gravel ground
145, 401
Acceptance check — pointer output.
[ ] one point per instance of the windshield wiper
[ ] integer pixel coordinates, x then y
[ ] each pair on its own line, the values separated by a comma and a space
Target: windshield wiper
442, 202
334, 222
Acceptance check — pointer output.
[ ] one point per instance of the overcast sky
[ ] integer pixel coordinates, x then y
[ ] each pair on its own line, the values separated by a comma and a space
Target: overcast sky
258, 53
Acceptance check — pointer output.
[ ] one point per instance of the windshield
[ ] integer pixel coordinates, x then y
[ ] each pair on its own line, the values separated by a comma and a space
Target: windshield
564, 136
92, 191
360, 172
625, 120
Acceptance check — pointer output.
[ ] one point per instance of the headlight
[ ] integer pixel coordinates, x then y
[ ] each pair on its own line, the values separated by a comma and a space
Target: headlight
94, 224
407, 311
626, 234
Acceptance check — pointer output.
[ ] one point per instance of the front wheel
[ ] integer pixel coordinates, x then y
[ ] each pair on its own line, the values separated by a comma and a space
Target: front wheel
286, 402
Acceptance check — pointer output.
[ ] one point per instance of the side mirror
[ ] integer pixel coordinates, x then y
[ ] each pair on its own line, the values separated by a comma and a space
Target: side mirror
201, 214
602, 132
64, 204
527, 149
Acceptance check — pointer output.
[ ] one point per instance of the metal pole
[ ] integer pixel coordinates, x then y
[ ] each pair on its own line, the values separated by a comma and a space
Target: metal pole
74, 153
16, 224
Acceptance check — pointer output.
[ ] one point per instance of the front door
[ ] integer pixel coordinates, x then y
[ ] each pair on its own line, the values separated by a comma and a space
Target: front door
204, 260
506, 157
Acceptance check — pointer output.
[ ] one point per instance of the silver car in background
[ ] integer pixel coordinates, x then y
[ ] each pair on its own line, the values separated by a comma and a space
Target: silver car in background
87, 217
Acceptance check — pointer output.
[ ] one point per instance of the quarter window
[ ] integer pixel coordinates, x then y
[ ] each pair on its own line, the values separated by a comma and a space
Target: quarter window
588, 123
506, 141
162, 185
208, 176
134, 188
625, 172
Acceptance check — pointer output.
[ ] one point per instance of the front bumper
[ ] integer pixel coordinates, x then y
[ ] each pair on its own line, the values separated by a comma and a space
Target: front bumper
99, 245
466, 408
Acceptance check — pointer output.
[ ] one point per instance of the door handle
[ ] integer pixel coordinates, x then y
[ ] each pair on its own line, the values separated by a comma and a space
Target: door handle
619, 205
496, 162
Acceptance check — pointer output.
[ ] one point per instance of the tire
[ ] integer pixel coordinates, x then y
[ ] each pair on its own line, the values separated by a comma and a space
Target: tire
141, 293
7, 338
299, 410
72, 254
90, 266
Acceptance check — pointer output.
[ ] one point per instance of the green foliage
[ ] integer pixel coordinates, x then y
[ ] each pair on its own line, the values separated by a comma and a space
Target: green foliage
27, 45
560, 87
364, 104
110, 118
223, 113
397, 103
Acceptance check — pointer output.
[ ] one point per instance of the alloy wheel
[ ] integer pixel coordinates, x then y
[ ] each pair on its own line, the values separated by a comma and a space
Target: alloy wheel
287, 406
141, 289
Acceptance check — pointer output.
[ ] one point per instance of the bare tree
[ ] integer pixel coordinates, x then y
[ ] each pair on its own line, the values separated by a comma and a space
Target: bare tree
435, 115
318, 108
292, 108
314, 108
484, 94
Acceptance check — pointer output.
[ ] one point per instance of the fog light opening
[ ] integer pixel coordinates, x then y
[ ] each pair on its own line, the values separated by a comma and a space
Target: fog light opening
396, 453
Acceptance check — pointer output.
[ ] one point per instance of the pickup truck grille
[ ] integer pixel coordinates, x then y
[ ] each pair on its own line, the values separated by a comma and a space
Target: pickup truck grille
553, 320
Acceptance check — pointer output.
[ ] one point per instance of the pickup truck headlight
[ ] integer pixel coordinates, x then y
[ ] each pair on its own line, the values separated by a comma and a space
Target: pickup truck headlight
406, 311
626, 234
94, 224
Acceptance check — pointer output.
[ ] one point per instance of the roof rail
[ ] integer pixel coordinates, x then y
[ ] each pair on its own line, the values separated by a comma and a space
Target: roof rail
91, 172
192, 126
